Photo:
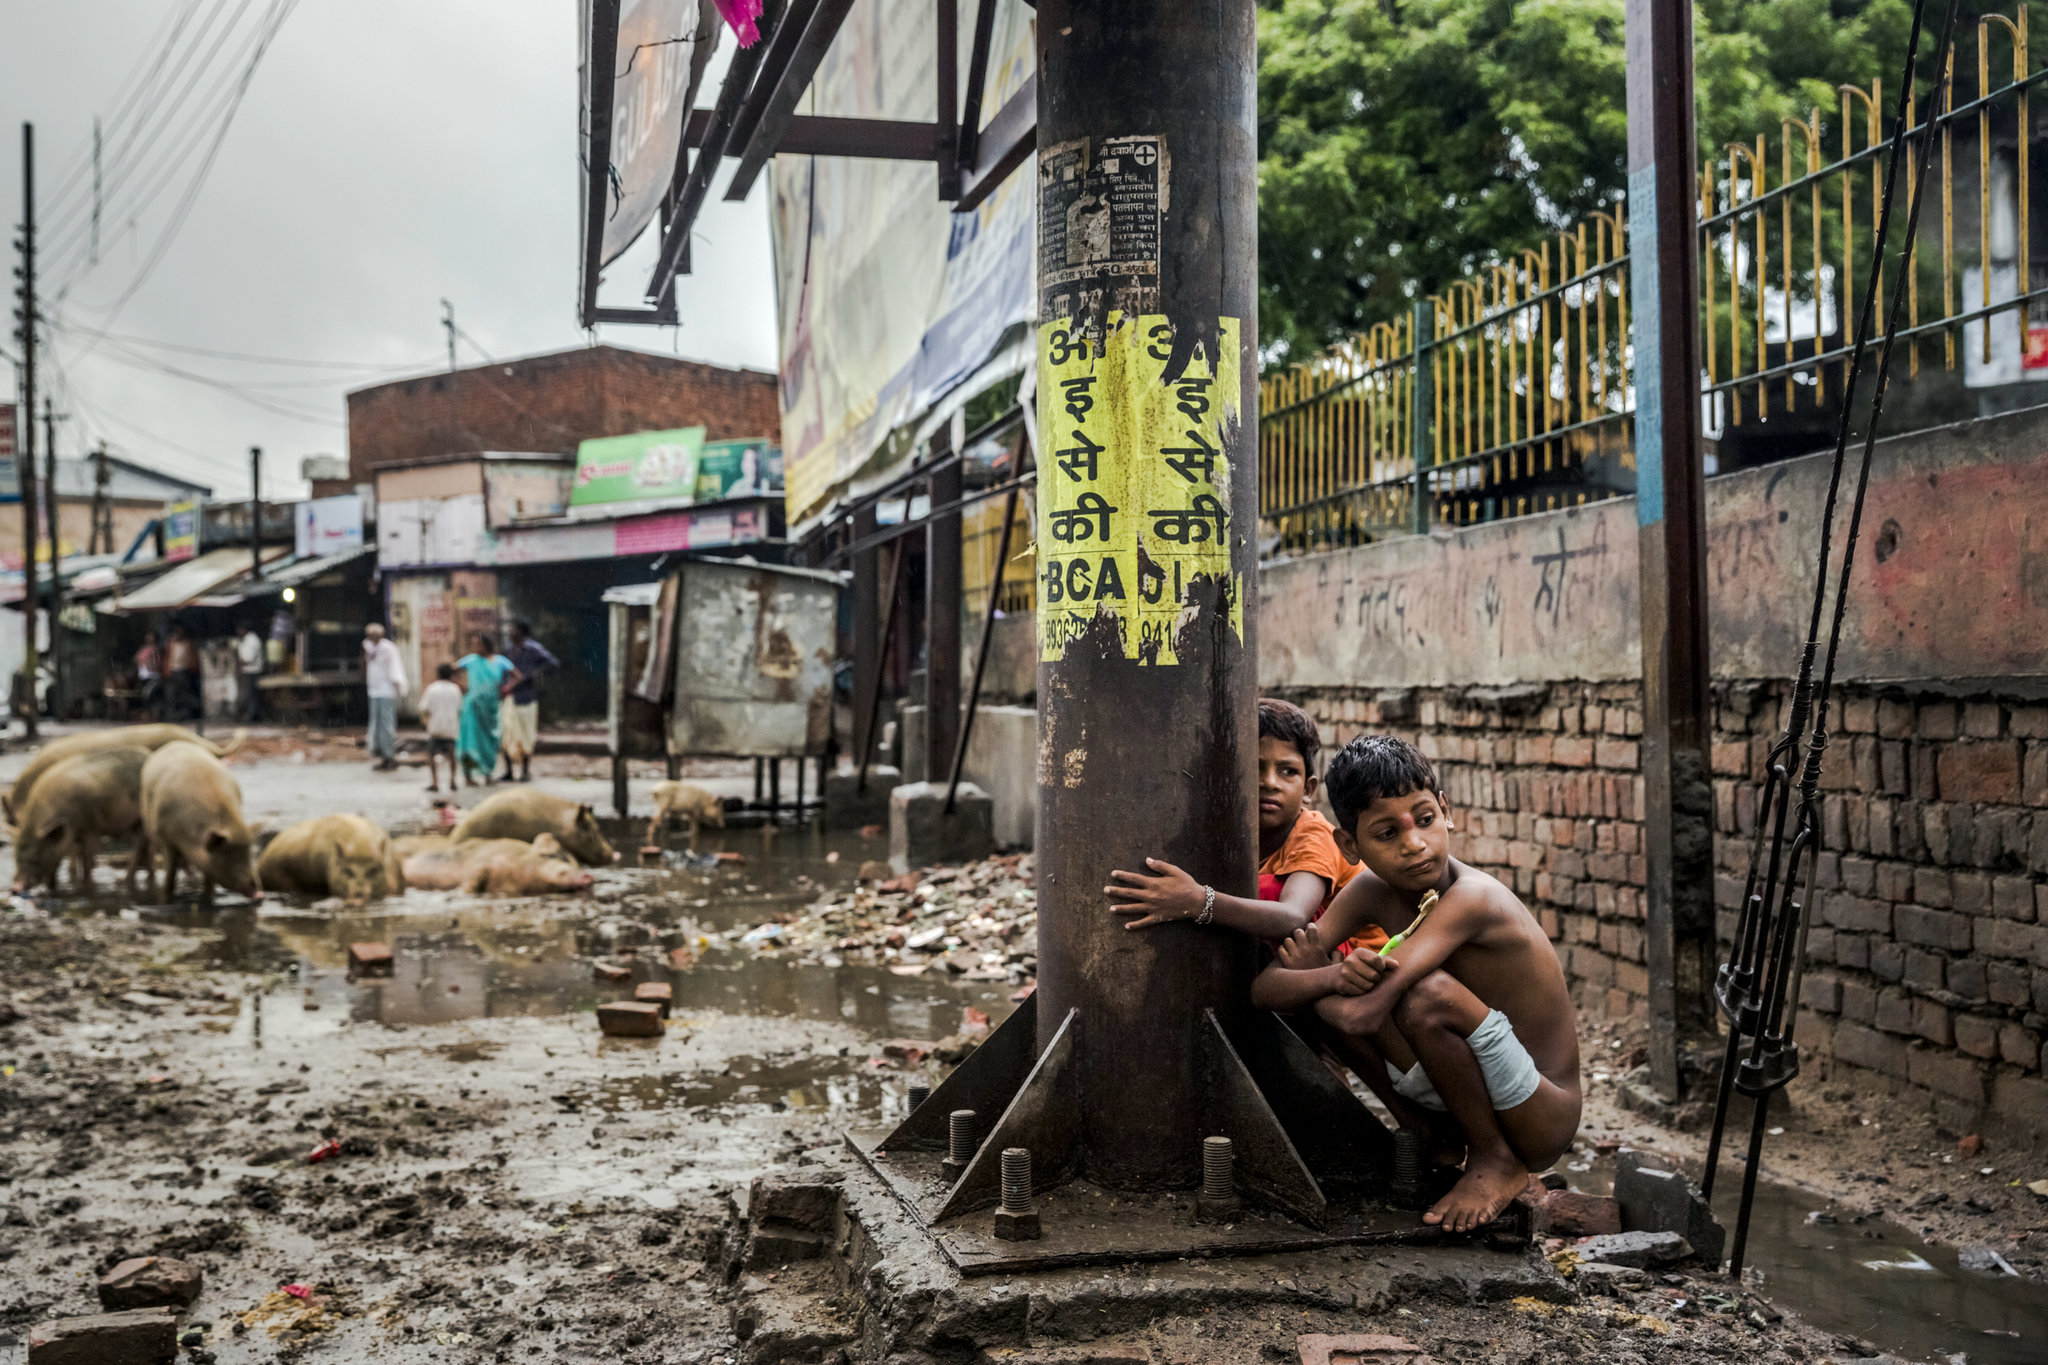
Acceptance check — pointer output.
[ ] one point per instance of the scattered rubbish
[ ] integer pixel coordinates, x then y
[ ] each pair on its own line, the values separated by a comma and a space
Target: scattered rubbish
144, 1000
1983, 1260
973, 1022
1970, 1146
683, 957
656, 993
149, 1282
872, 831
833, 856
292, 1314
329, 1148
1913, 1261
726, 855
630, 1019
298, 1291
2039, 1187
1023, 993
761, 934
611, 972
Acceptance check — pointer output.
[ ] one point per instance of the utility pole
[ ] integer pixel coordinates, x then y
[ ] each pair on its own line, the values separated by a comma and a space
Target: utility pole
1678, 832
256, 511
942, 609
25, 315
1148, 680
56, 526
448, 324
102, 504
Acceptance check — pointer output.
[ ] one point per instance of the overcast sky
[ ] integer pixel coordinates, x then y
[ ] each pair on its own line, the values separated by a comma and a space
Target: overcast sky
387, 154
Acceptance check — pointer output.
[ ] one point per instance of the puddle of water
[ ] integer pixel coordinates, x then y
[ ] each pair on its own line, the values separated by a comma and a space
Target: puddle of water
1875, 1279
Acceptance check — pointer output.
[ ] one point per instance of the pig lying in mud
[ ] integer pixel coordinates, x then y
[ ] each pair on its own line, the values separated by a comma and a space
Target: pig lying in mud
192, 813
492, 867
78, 802
149, 738
335, 855
693, 803
525, 814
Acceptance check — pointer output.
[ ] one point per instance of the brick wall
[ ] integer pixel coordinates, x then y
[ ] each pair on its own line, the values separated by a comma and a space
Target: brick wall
1928, 963
551, 403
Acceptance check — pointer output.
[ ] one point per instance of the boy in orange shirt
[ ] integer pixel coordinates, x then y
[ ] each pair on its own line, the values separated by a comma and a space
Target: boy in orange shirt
1300, 866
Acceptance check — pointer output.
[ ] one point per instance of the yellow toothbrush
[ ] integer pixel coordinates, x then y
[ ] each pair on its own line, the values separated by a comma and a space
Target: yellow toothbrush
1428, 904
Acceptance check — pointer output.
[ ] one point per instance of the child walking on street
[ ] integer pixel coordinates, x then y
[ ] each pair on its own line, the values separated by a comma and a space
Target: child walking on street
1300, 865
1465, 1030
441, 708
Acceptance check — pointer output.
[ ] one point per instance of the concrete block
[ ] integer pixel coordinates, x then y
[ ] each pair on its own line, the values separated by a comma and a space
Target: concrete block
142, 1336
811, 1206
1657, 1200
656, 993
848, 806
921, 832
611, 973
630, 1019
149, 1282
1002, 760
1637, 1249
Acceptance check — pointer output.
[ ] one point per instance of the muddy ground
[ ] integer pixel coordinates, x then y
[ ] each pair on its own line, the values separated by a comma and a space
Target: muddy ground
512, 1186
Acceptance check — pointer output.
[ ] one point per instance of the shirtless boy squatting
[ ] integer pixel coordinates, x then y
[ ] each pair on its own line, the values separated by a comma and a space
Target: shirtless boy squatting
1465, 1030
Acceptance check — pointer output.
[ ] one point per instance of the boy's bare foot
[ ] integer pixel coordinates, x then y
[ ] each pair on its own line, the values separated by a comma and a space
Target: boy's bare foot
1489, 1184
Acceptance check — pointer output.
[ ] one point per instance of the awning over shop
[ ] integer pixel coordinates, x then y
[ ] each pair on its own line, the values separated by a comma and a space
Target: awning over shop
192, 580
294, 573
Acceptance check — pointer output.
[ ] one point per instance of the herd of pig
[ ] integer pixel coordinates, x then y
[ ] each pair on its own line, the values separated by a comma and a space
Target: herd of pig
166, 789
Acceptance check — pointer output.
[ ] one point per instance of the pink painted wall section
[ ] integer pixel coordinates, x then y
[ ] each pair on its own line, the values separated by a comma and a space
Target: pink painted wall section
1531, 599
1951, 581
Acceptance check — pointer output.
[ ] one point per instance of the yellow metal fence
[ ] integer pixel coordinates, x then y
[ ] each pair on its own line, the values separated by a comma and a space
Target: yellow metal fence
1518, 397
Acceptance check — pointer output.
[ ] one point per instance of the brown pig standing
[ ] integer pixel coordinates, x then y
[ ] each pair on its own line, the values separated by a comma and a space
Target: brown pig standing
492, 867
335, 855
525, 813
145, 737
78, 802
192, 813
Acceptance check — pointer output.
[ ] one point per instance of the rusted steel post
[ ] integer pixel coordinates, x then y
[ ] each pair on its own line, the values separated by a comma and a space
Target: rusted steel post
1678, 835
942, 616
1147, 405
867, 635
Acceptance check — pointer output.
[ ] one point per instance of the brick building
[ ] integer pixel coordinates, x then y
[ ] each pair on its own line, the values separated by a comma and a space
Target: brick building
550, 403
1510, 653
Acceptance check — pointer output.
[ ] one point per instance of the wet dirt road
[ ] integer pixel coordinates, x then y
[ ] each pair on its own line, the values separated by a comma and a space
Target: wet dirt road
511, 1185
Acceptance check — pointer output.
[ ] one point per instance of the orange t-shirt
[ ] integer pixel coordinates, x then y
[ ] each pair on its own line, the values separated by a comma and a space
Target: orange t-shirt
1312, 847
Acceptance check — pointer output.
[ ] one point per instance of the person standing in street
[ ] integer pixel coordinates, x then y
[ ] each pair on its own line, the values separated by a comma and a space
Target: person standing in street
384, 679
249, 668
183, 698
530, 658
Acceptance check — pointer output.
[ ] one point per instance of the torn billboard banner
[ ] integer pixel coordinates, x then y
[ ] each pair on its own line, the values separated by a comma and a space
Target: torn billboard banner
664, 46
888, 298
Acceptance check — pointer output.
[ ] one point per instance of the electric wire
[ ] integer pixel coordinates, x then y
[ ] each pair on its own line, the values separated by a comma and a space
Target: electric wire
162, 45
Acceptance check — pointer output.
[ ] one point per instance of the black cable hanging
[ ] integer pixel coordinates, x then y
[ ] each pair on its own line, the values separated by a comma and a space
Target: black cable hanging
1758, 988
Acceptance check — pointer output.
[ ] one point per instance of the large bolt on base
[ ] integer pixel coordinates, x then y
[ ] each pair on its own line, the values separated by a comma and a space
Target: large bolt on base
919, 1093
1017, 1216
1408, 1191
961, 1142
1218, 1201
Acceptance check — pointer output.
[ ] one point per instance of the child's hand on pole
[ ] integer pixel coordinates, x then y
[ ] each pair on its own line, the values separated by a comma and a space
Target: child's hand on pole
1165, 895
1360, 972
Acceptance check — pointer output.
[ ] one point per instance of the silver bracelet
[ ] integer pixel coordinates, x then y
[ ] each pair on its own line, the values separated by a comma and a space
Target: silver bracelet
1208, 905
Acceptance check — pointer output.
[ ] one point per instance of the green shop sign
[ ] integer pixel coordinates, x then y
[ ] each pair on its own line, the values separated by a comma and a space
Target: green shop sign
647, 466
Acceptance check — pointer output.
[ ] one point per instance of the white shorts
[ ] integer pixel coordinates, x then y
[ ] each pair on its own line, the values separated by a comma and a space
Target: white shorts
519, 728
1511, 1075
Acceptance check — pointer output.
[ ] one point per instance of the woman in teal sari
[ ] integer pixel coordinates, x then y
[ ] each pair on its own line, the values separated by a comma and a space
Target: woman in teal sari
476, 744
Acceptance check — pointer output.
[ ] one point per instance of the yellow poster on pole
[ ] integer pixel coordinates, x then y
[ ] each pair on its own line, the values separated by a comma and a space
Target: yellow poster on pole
1134, 484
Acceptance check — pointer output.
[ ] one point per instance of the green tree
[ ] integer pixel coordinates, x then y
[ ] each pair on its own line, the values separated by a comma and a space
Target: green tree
1406, 143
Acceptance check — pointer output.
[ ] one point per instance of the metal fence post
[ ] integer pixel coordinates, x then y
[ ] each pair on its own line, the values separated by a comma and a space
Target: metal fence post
1423, 335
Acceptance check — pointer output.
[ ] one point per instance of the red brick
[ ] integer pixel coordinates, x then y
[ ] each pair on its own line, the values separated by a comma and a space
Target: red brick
370, 959
1567, 1213
1571, 751
1981, 719
553, 402
1616, 753
656, 993
1986, 771
2018, 1046
1938, 720
630, 1019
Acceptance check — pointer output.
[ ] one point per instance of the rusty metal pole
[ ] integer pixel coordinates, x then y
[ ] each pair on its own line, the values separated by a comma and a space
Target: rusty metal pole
867, 635
1678, 835
942, 615
1147, 405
